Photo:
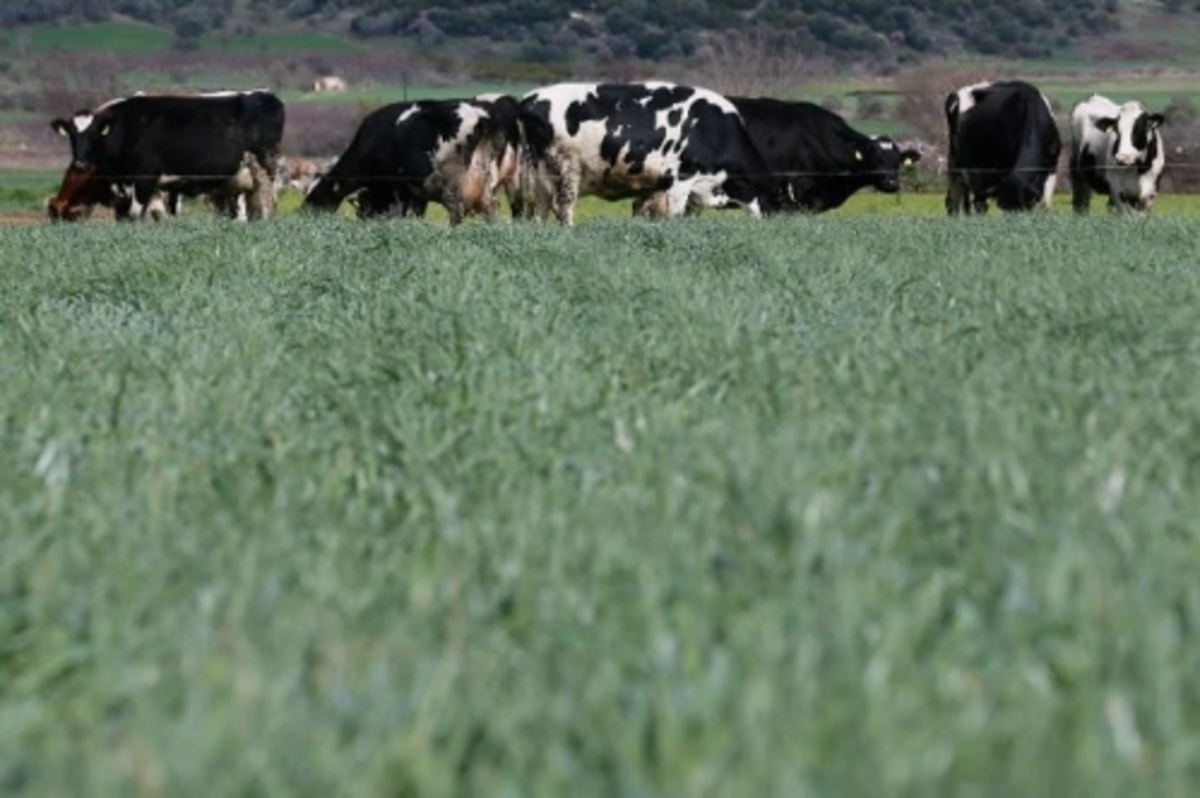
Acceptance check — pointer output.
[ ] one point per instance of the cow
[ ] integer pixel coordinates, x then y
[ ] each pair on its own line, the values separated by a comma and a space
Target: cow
405, 155
80, 193
1004, 145
636, 140
1116, 150
329, 83
223, 144
820, 159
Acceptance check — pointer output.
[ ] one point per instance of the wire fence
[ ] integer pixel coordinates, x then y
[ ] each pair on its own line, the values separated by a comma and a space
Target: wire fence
780, 174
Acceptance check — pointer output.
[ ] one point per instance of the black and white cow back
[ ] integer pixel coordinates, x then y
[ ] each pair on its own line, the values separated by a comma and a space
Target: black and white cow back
405, 155
622, 140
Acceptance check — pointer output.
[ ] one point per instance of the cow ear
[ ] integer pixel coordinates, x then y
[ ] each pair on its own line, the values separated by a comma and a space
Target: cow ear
60, 127
1156, 120
1106, 123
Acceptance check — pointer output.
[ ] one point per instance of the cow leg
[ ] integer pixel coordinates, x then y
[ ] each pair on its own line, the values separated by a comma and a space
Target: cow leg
453, 199
1081, 192
123, 205
156, 207
565, 177
260, 202
956, 194
1048, 191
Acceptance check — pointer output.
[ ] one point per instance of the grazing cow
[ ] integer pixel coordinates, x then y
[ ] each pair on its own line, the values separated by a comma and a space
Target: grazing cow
405, 155
620, 140
820, 159
224, 144
80, 193
328, 83
1004, 145
1116, 150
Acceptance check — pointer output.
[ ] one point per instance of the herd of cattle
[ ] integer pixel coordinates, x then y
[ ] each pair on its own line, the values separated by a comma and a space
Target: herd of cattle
672, 148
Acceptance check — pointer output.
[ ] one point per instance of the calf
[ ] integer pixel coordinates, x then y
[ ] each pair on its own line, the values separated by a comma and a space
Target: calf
81, 191
1004, 145
405, 155
222, 143
1116, 150
622, 140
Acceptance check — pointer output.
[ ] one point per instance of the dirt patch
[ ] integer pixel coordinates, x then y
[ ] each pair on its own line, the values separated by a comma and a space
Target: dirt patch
21, 217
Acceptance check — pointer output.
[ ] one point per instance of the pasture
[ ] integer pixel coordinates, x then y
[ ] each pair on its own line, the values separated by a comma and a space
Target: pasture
811, 506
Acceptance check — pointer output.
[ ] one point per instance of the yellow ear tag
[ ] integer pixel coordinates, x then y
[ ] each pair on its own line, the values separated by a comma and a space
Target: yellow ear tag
104, 131
62, 131
857, 155
908, 161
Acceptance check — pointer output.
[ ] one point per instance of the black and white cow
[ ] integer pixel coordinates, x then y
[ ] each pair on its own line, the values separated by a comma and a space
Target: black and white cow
1004, 145
622, 140
820, 159
1116, 150
224, 145
405, 155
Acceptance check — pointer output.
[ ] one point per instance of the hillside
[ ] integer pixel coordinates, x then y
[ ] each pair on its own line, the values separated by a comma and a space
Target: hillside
548, 31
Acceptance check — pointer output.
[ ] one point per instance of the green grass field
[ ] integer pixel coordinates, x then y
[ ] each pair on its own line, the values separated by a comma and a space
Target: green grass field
811, 506
131, 38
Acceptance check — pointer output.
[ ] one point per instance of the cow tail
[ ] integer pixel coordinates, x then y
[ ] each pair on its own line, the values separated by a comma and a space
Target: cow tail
535, 134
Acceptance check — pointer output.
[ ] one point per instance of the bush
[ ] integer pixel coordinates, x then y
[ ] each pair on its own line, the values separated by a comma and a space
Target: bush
1181, 111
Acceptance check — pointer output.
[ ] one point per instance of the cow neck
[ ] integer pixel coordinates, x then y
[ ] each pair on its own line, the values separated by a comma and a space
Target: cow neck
1145, 164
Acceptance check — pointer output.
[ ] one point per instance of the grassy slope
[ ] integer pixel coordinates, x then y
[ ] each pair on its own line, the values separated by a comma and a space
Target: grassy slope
131, 38
849, 507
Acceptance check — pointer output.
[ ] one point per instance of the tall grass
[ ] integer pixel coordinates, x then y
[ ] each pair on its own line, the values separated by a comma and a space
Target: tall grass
828, 506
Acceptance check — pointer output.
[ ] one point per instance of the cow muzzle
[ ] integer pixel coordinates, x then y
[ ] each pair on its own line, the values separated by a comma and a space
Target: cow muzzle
1125, 158
64, 212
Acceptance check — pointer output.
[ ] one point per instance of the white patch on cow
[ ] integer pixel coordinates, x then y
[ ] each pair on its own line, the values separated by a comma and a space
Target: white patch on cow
966, 96
884, 144
408, 113
156, 208
82, 122
706, 189
104, 106
1048, 191
231, 93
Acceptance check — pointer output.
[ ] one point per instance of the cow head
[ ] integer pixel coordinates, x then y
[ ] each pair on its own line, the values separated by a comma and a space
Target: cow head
1134, 134
80, 191
92, 136
881, 159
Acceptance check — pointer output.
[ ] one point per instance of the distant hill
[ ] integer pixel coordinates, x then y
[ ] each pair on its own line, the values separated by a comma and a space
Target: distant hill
547, 31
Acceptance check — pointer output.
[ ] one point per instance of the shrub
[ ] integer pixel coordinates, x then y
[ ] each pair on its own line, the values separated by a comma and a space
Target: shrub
1180, 111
